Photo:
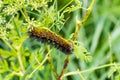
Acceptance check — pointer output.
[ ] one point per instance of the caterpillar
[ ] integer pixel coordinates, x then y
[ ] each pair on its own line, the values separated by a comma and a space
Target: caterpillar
45, 35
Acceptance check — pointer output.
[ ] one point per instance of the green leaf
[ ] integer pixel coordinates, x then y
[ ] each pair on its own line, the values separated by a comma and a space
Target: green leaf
4, 66
117, 77
82, 53
5, 54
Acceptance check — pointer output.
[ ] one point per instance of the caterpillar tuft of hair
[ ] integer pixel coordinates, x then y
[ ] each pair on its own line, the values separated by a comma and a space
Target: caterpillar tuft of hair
44, 35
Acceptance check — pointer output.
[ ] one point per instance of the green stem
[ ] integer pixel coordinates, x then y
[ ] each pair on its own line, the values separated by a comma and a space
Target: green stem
17, 30
66, 5
89, 70
51, 63
79, 24
18, 55
9, 45
52, 66
20, 61
45, 59
25, 15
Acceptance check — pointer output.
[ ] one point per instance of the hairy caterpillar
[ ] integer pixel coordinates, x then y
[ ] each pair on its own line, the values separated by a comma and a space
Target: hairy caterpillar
45, 35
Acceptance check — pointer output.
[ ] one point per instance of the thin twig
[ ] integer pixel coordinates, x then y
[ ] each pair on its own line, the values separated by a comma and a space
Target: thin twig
52, 67
20, 61
51, 63
45, 59
64, 67
66, 5
89, 70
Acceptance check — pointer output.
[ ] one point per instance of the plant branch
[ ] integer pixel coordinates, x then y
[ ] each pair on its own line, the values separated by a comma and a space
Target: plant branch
20, 61
88, 70
52, 66
18, 55
78, 26
51, 63
66, 6
64, 67
45, 59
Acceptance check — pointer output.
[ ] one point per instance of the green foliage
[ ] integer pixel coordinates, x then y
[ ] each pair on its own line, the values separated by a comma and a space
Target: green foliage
96, 50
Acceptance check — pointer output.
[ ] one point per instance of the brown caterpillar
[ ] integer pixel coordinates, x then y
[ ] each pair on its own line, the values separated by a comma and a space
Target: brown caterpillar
45, 35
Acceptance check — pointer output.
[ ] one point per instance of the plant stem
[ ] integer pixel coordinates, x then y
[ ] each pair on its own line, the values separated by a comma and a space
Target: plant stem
65, 6
20, 61
52, 66
51, 63
45, 59
4, 40
18, 55
89, 70
24, 13
64, 67
78, 26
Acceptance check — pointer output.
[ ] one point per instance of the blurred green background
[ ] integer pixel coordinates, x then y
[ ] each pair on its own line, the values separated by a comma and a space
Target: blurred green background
100, 35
